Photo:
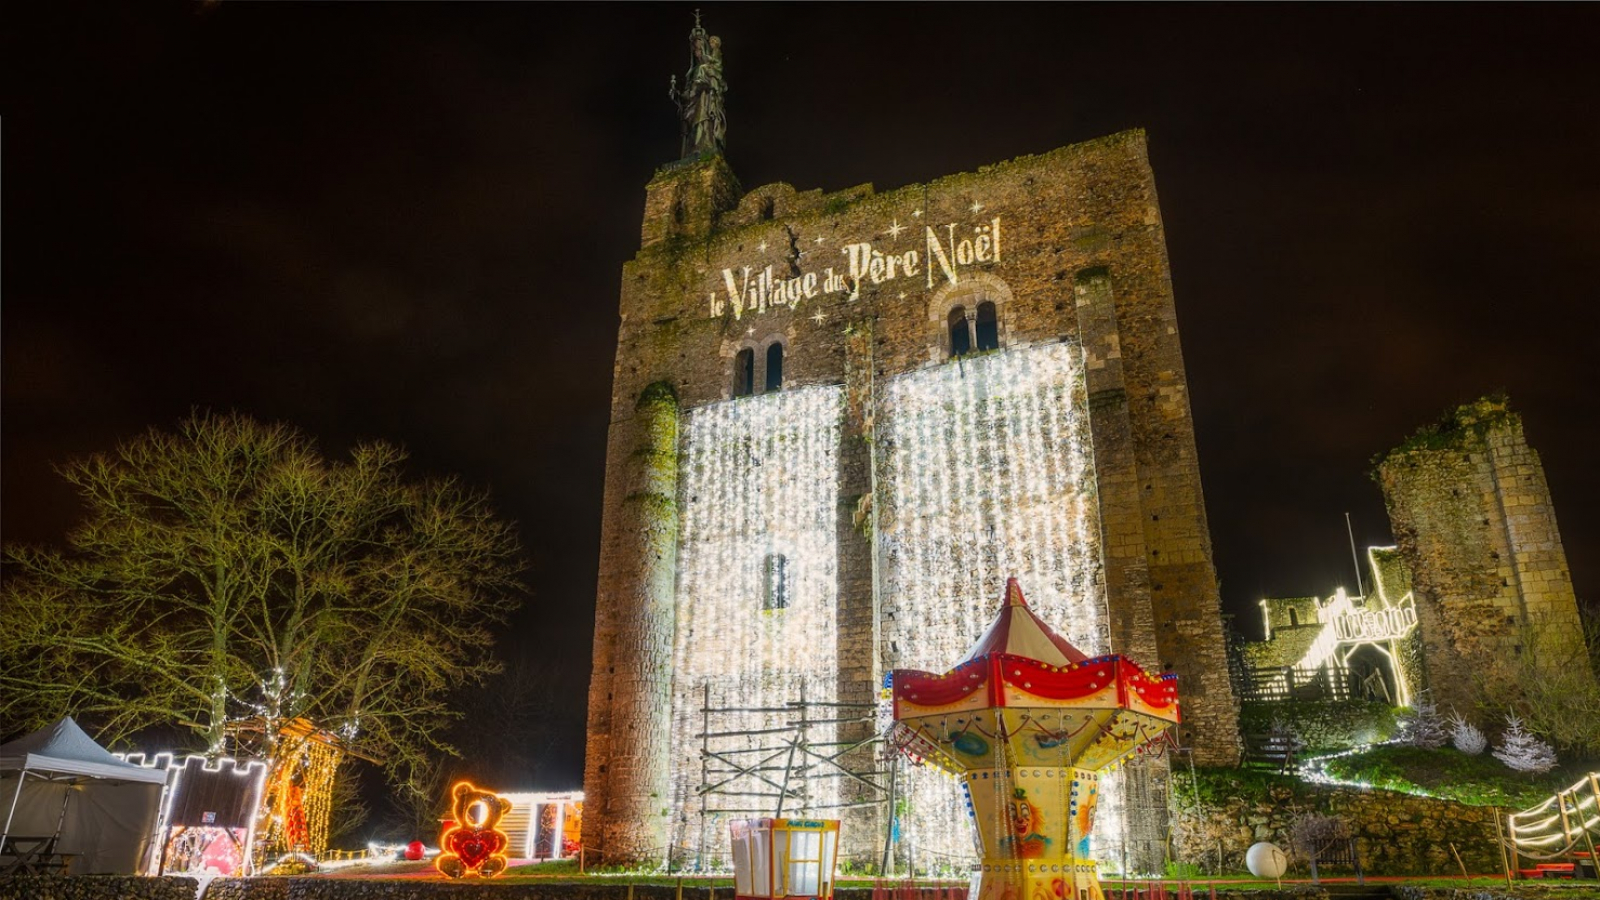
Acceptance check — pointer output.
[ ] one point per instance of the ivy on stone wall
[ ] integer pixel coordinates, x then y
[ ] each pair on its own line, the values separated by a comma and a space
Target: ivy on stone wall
1219, 813
1323, 726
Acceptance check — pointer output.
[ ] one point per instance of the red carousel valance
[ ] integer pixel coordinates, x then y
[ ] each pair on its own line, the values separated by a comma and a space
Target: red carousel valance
991, 674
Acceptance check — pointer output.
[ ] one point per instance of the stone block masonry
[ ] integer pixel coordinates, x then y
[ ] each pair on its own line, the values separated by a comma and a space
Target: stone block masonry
1035, 294
1476, 526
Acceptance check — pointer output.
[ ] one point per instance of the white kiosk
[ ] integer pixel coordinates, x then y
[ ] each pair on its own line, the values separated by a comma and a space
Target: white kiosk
784, 859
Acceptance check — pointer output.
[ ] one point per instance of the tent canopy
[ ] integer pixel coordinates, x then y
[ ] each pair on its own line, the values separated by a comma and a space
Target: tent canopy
58, 781
63, 749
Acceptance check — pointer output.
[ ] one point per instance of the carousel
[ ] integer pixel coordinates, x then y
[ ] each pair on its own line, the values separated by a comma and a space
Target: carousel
1027, 723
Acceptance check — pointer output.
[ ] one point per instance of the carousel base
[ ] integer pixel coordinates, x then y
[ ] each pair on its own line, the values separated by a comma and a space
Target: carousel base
1041, 878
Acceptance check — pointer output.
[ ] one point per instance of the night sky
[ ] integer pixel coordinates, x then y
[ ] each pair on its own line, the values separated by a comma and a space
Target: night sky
407, 221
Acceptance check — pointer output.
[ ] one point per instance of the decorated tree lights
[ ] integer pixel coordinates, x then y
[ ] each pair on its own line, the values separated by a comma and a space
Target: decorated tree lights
1027, 723
299, 794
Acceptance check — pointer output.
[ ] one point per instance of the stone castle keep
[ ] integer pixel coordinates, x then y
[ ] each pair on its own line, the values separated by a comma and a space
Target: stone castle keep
1472, 513
839, 423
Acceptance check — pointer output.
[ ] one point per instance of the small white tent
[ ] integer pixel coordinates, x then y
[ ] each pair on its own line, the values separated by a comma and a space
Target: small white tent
58, 781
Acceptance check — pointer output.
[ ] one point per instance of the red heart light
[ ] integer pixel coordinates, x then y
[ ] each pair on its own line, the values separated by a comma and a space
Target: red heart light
475, 846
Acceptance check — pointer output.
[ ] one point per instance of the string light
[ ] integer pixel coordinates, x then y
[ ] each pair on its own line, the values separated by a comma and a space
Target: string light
985, 472
1315, 770
1566, 823
299, 794
1037, 733
988, 475
757, 575
253, 771
565, 810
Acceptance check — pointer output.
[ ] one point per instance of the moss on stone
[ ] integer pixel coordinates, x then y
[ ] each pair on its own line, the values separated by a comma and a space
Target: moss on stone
658, 462
658, 397
835, 205
1467, 423
1324, 726
1201, 786
653, 505
1093, 239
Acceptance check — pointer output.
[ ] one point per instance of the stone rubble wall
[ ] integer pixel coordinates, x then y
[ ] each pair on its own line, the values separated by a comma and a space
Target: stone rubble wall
106, 887
1521, 890
1396, 834
96, 887
1323, 725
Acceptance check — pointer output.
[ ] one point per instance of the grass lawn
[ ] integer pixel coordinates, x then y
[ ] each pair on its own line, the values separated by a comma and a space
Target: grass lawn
1476, 780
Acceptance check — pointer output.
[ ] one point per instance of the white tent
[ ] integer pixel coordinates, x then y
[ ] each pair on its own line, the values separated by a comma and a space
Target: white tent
58, 781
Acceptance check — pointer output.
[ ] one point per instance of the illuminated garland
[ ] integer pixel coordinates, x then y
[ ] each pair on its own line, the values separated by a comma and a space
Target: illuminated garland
985, 472
299, 795
1315, 770
758, 482
179, 769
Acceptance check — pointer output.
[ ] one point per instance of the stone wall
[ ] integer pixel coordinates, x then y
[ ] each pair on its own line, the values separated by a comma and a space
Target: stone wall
1522, 890
626, 773
95, 887
1396, 834
1472, 514
1083, 263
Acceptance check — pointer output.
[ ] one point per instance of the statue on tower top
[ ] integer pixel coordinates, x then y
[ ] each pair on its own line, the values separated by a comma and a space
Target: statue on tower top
705, 125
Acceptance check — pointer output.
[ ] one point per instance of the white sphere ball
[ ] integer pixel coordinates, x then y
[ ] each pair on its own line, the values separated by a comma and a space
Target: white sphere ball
1265, 860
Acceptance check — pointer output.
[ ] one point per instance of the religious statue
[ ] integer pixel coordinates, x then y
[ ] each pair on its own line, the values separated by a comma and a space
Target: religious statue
705, 125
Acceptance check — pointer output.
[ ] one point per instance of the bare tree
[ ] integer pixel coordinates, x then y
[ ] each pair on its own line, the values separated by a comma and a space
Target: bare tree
229, 579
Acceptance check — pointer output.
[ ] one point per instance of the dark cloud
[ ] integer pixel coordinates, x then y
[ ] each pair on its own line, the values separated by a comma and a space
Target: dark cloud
407, 221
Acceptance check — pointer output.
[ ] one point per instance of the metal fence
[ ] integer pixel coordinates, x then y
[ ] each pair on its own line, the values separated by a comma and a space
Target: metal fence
1276, 685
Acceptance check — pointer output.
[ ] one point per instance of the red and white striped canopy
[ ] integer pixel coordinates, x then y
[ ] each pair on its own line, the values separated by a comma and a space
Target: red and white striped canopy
1016, 631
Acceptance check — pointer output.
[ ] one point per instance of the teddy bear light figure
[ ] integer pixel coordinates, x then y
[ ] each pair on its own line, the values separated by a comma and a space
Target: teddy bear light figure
472, 843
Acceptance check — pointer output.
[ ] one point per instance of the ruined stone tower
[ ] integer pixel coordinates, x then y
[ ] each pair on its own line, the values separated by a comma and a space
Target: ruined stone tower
839, 422
1472, 514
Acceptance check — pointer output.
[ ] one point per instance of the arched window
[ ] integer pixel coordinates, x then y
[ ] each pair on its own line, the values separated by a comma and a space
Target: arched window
960, 337
1294, 617
744, 373
988, 327
774, 367
775, 577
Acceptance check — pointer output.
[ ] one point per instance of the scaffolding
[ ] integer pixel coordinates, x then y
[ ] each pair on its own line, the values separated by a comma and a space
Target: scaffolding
778, 769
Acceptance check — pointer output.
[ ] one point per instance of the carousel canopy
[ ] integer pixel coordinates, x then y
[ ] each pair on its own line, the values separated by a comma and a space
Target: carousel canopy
1026, 689
1018, 632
